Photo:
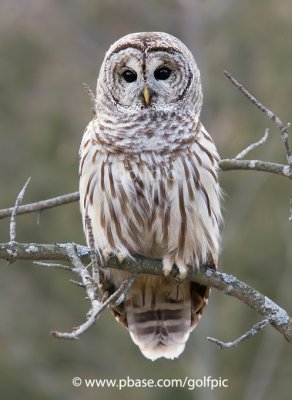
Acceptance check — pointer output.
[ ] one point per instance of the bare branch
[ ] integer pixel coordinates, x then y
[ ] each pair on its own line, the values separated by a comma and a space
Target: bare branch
255, 329
256, 165
83, 272
279, 124
253, 146
77, 283
96, 306
15, 210
41, 205
94, 314
228, 284
91, 242
53, 266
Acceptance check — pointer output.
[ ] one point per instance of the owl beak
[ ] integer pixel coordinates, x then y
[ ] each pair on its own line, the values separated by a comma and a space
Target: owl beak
146, 95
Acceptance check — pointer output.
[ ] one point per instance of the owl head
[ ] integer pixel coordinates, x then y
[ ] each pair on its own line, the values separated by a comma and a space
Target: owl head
149, 71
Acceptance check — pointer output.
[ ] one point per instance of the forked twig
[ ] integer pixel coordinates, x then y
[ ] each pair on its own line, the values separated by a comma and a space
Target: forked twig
279, 124
41, 205
253, 146
94, 313
19, 199
55, 266
97, 306
255, 329
94, 263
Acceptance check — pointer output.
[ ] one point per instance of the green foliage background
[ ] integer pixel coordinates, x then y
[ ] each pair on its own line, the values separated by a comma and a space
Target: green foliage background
47, 49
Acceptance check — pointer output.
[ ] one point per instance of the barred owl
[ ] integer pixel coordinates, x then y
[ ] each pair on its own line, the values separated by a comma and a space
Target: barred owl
148, 182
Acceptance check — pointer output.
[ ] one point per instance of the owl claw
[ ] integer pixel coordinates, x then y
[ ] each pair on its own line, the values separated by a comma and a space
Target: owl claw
182, 268
167, 266
121, 257
105, 253
182, 271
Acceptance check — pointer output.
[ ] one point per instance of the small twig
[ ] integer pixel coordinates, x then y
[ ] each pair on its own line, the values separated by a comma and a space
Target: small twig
51, 265
253, 146
91, 96
256, 165
77, 283
94, 313
279, 124
91, 243
83, 272
255, 329
89, 283
41, 205
121, 298
15, 210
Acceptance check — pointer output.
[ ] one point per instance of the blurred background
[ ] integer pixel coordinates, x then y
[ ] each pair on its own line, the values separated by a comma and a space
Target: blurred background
47, 49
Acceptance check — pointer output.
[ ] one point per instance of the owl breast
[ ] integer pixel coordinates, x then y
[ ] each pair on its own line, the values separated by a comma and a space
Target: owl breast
160, 201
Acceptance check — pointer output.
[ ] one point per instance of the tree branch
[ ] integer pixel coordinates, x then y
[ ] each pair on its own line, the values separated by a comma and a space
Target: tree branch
41, 205
279, 124
12, 230
256, 165
93, 315
226, 283
89, 283
95, 268
255, 329
253, 146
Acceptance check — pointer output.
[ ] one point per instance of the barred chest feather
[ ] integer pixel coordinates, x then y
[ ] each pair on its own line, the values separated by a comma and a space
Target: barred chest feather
151, 190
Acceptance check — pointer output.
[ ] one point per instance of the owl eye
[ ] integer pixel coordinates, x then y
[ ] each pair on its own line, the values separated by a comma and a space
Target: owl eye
129, 76
161, 74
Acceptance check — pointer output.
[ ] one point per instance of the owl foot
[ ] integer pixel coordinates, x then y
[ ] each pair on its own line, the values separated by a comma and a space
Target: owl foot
168, 263
182, 268
121, 257
105, 255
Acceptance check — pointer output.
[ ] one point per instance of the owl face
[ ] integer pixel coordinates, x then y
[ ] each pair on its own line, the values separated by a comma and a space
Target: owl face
149, 71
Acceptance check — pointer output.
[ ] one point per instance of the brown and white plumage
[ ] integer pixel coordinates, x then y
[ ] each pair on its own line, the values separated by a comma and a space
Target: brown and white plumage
148, 181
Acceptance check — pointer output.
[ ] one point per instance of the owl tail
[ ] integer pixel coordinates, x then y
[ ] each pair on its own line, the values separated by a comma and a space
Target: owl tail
161, 314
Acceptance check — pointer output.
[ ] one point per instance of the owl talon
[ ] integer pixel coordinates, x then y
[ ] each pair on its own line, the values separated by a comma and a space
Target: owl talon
183, 274
105, 254
167, 266
183, 270
121, 257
